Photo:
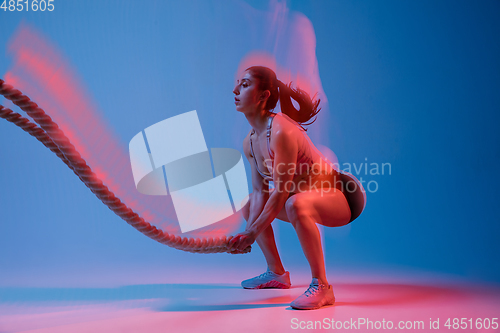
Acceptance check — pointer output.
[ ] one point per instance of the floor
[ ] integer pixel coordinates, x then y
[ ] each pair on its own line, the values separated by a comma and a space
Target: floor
365, 302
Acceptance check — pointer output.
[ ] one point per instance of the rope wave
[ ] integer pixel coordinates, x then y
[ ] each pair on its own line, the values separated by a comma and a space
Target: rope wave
52, 137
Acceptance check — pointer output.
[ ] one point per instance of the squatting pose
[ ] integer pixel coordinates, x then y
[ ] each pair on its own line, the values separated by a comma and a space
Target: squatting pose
306, 189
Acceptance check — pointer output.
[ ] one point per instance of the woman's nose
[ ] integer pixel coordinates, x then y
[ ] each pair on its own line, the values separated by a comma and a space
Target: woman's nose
236, 90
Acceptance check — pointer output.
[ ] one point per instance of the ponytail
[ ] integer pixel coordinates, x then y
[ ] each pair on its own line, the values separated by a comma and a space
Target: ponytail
308, 107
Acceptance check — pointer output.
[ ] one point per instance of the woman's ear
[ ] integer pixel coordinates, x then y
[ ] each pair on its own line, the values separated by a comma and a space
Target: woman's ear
265, 95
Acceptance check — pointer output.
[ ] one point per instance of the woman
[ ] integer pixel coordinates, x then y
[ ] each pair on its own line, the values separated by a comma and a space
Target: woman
307, 190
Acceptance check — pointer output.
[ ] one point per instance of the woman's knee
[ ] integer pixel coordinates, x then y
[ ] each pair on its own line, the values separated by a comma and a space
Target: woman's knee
296, 208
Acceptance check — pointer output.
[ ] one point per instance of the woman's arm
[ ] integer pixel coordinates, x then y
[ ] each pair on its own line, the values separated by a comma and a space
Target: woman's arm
285, 147
260, 186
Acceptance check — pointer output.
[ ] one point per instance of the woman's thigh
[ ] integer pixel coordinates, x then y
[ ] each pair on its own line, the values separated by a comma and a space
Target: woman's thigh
330, 209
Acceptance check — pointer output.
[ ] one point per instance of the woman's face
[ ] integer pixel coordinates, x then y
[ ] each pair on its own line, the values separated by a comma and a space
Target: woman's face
246, 93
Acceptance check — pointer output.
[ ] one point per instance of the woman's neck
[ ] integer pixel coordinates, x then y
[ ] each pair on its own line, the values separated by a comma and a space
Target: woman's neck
258, 121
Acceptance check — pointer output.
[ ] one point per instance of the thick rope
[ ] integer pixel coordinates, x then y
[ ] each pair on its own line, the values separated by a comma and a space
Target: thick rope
53, 138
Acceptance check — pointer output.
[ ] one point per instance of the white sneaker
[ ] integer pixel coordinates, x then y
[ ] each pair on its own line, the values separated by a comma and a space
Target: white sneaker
268, 279
315, 297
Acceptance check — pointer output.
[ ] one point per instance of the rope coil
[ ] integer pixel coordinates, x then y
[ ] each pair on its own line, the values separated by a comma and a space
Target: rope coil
52, 137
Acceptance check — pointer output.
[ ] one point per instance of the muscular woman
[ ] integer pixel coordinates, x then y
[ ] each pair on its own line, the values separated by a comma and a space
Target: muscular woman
306, 189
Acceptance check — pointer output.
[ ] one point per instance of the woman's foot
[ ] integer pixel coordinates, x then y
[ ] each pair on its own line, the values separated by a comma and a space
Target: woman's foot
269, 279
315, 297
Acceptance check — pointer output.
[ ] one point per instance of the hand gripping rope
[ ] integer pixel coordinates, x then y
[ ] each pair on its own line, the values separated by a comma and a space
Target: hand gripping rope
53, 138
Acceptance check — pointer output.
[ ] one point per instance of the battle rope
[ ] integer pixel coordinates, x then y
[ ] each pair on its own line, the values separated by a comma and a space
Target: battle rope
53, 138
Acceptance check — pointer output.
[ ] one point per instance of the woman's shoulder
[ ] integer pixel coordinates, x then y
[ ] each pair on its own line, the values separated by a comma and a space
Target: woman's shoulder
284, 125
283, 133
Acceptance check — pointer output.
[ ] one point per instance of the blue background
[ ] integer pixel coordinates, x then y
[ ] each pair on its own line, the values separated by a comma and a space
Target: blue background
413, 84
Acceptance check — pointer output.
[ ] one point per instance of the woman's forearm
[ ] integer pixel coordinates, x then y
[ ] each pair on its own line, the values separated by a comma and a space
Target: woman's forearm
257, 204
268, 213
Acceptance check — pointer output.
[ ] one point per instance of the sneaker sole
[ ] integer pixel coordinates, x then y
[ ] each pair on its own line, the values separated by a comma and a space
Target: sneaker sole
314, 307
270, 284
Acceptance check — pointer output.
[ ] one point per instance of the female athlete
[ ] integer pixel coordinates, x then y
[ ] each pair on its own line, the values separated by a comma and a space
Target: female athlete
306, 189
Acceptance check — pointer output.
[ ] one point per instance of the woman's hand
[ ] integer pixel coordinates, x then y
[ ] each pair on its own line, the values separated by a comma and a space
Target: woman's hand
241, 241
